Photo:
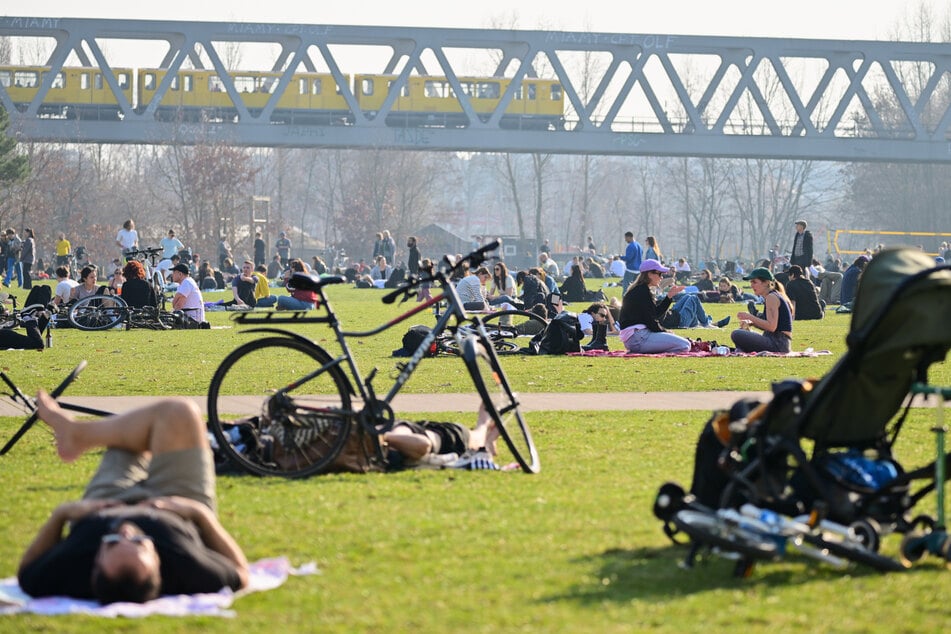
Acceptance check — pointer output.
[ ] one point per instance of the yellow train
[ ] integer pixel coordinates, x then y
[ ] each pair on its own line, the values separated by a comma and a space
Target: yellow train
309, 99
75, 92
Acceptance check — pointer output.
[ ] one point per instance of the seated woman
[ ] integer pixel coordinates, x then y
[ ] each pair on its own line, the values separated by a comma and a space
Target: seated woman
776, 323
136, 292
299, 299
501, 287
804, 295
640, 313
705, 283
88, 277
534, 290
574, 289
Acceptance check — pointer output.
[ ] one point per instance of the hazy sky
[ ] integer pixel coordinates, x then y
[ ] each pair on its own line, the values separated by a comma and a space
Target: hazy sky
823, 19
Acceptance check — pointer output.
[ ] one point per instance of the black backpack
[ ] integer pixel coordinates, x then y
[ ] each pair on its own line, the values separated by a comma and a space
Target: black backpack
411, 340
561, 336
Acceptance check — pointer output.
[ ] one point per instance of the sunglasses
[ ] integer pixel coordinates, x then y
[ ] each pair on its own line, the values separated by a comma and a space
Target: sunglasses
111, 539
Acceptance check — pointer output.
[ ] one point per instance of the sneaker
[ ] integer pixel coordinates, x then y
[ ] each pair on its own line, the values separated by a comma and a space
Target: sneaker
723, 322
474, 460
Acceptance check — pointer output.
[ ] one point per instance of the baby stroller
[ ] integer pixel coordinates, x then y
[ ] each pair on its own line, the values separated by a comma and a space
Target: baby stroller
819, 454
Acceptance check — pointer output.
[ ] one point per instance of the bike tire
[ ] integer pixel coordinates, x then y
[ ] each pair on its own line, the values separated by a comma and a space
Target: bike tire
293, 433
507, 327
499, 401
707, 528
855, 552
98, 312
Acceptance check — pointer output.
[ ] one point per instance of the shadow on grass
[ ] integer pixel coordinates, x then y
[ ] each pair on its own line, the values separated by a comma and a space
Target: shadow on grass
658, 575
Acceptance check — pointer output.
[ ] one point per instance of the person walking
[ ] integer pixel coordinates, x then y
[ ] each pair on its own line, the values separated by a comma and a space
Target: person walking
633, 254
27, 258
802, 247
12, 247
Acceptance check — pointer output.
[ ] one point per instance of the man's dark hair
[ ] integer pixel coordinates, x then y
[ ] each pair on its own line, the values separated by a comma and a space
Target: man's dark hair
125, 587
628, 234
62, 271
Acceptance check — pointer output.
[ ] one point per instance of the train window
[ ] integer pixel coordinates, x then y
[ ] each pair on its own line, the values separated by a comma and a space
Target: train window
404, 91
58, 81
488, 90
556, 92
214, 84
123, 80
148, 81
244, 83
84, 81
317, 87
174, 85
98, 80
188, 83
26, 78
530, 90
438, 89
366, 87
6, 78
307, 86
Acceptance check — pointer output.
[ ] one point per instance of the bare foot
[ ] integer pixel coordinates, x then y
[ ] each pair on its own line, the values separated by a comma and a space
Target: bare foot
62, 424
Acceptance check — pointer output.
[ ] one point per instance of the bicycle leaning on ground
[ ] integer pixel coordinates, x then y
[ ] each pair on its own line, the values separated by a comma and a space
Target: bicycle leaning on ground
306, 415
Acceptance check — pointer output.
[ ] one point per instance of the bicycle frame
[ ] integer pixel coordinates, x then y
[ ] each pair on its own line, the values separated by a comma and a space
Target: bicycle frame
364, 383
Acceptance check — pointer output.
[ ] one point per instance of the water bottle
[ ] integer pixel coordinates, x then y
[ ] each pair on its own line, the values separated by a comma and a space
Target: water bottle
49, 334
722, 351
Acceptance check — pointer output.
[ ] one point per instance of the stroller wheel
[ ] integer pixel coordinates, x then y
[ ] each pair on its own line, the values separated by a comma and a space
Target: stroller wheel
867, 531
913, 547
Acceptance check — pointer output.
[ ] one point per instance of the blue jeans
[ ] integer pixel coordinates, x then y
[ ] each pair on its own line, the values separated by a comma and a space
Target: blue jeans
629, 277
646, 341
265, 302
691, 311
13, 264
286, 302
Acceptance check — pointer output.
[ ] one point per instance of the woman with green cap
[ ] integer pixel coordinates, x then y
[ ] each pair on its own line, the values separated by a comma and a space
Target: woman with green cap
776, 321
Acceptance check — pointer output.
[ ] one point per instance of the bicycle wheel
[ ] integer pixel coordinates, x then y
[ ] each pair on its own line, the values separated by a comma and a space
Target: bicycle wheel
288, 424
509, 328
499, 402
855, 551
707, 528
97, 312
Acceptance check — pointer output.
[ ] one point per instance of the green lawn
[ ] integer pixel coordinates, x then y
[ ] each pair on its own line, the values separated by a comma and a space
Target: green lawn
573, 549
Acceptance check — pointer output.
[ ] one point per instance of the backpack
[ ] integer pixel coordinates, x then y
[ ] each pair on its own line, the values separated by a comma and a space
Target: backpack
411, 340
561, 336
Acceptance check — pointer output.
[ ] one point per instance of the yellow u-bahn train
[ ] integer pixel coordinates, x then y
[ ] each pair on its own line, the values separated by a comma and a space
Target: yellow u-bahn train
309, 99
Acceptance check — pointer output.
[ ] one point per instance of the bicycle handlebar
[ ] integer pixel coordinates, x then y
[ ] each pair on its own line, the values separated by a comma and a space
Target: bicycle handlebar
444, 271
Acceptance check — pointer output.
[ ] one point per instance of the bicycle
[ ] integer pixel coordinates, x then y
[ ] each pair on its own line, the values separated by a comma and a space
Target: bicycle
305, 416
505, 328
102, 312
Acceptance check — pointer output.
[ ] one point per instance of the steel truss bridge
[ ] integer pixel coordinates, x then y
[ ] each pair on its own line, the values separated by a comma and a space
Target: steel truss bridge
625, 94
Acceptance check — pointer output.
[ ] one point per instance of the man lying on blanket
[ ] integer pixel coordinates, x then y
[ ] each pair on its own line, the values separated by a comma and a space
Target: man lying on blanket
146, 525
426, 443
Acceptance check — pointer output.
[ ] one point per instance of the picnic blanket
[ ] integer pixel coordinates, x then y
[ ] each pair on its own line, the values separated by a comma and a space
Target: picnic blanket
624, 353
266, 574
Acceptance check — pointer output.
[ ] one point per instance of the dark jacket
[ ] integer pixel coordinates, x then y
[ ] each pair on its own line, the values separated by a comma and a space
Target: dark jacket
806, 297
640, 307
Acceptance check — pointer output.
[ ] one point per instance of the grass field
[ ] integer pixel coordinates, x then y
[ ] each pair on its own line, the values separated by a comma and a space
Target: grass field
573, 549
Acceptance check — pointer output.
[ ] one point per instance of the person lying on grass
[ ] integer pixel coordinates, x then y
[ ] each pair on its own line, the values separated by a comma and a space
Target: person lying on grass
146, 525
409, 444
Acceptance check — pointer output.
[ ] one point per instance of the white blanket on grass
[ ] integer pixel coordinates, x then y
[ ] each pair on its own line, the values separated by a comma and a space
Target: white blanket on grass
266, 574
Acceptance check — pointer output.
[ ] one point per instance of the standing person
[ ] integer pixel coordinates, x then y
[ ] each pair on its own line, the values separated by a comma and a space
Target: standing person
412, 258
283, 246
27, 258
260, 249
640, 314
13, 246
63, 249
187, 297
224, 252
377, 246
170, 245
802, 247
653, 251
388, 247
633, 254
128, 238
776, 322
147, 523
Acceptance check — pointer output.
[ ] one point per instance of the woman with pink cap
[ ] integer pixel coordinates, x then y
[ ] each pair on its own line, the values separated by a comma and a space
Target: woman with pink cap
640, 314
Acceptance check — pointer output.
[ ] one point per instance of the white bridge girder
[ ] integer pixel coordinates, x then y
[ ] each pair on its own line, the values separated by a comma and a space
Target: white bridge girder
625, 94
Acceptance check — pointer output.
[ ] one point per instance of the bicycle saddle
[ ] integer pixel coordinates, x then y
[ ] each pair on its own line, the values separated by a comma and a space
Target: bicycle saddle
311, 282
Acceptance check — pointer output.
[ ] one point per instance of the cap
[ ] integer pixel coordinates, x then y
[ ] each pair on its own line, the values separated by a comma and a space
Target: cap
760, 273
181, 268
652, 265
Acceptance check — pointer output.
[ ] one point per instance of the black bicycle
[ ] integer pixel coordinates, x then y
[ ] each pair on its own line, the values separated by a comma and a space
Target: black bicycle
302, 411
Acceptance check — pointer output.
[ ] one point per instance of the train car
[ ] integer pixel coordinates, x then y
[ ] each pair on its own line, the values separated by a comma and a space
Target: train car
539, 104
199, 95
76, 92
